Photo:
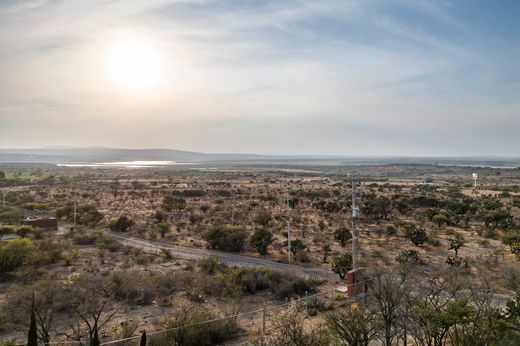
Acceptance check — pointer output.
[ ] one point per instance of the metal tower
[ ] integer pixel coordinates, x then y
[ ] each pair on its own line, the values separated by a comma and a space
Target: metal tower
355, 215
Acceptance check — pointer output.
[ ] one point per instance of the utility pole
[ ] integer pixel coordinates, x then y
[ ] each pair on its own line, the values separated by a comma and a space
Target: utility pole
355, 214
233, 209
3, 198
75, 203
288, 229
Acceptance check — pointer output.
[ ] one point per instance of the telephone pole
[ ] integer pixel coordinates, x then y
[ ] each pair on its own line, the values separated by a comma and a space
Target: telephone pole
75, 203
233, 209
3, 198
288, 229
355, 214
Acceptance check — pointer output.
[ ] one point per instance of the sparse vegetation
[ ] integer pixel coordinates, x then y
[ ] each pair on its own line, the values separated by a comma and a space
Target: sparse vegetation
459, 238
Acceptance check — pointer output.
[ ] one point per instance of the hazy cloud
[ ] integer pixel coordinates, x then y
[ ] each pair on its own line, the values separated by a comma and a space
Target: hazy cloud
273, 77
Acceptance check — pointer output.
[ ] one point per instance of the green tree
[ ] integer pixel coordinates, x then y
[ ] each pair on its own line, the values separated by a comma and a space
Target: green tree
456, 243
15, 253
297, 245
439, 220
354, 326
164, 227
226, 238
261, 240
510, 238
342, 264
122, 224
418, 235
172, 202
263, 218
159, 216
408, 256
342, 235
168, 203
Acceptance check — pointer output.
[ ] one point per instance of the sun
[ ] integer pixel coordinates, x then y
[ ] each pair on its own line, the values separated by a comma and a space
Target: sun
134, 64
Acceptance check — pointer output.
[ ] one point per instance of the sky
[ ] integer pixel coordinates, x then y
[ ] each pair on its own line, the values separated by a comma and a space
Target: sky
337, 77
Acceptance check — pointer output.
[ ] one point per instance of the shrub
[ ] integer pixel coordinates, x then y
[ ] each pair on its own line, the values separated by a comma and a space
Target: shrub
23, 231
250, 280
212, 265
263, 218
408, 256
456, 261
122, 224
261, 240
8, 229
342, 235
226, 238
166, 253
342, 264
418, 236
15, 253
199, 334
28, 255
297, 245
510, 238
85, 238
390, 231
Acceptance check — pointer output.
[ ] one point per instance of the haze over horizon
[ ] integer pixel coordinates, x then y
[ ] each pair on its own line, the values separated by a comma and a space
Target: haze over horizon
296, 77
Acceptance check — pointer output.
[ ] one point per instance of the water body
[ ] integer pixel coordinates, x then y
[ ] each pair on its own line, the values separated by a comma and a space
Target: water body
124, 164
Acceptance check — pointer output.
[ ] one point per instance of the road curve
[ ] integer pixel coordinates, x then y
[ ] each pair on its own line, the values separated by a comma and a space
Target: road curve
232, 259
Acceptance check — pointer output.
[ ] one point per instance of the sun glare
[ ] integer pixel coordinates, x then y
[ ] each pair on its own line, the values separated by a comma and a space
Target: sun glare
134, 64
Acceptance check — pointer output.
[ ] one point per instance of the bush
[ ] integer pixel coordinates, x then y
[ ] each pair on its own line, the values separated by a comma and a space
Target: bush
85, 238
201, 334
250, 280
263, 218
342, 235
418, 235
122, 224
8, 229
10, 215
15, 253
18, 254
342, 264
390, 231
226, 238
408, 256
261, 240
212, 265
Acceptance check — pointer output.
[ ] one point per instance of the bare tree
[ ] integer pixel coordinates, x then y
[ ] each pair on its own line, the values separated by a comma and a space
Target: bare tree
387, 292
353, 326
432, 297
91, 307
48, 300
290, 329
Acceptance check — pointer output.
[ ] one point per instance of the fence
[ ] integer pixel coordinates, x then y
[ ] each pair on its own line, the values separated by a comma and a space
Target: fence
254, 322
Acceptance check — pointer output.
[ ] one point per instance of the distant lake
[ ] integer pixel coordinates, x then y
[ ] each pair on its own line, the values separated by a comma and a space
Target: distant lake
125, 164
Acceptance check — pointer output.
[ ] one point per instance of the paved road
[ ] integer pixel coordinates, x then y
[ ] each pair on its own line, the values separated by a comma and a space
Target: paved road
238, 260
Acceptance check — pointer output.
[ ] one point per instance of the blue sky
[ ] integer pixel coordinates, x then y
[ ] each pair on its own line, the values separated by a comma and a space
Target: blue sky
346, 77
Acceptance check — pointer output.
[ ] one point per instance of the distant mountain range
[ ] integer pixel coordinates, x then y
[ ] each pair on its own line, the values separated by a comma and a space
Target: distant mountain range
102, 154
79, 155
